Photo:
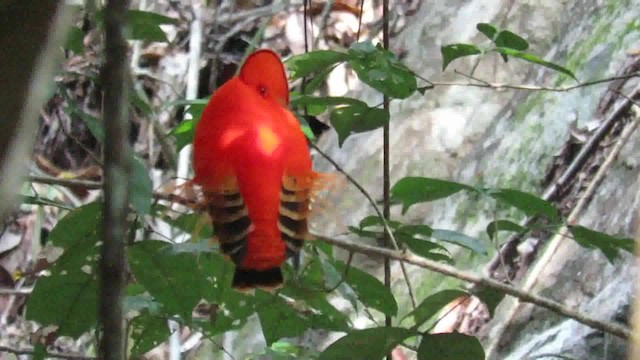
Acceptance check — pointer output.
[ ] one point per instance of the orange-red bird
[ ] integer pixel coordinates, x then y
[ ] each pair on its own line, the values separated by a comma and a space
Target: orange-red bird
252, 161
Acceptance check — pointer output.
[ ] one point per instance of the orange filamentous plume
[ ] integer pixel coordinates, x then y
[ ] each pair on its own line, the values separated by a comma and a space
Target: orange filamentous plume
252, 161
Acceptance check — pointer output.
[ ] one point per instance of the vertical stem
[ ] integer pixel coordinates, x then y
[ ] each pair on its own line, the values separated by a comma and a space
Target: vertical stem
386, 181
116, 184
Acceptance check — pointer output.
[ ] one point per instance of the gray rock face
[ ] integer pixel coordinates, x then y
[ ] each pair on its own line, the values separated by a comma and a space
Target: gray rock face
508, 139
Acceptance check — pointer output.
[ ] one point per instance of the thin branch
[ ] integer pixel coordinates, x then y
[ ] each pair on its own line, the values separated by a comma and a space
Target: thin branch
31, 351
324, 16
91, 185
612, 328
386, 177
385, 224
16, 292
498, 86
117, 170
360, 20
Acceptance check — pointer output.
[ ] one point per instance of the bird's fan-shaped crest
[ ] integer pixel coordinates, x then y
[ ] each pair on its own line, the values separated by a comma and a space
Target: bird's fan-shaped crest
263, 70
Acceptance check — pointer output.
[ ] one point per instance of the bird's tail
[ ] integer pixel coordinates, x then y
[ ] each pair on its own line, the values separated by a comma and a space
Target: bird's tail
267, 279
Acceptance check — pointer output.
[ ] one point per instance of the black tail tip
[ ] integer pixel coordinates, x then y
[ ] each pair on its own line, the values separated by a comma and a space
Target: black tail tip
268, 279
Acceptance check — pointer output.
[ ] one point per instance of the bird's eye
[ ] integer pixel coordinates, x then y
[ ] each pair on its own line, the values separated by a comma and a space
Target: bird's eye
263, 90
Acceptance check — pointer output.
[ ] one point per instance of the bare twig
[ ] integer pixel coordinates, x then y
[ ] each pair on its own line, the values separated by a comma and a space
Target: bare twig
117, 164
31, 351
497, 86
237, 28
324, 16
405, 256
91, 185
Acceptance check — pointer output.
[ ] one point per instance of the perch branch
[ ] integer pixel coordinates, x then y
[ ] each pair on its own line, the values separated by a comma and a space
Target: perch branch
405, 256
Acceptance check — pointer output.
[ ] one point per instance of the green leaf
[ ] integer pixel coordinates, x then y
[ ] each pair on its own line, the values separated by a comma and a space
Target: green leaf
318, 80
316, 105
366, 344
68, 297
139, 102
609, 245
140, 188
301, 100
232, 313
376, 221
141, 302
534, 59
304, 64
460, 239
426, 249
147, 332
488, 30
503, 225
75, 39
145, 25
200, 103
142, 25
381, 69
526, 202
414, 190
318, 311
354, 119
371, 292
432, 305
232, 308
277, 318
93, 123
416, 237
305, 127
451, 346
421, 229
281, 350
172, 279
490, 297
333, 278
183, 133
40, 352
79, 228
455, 51
507, 39
198, 226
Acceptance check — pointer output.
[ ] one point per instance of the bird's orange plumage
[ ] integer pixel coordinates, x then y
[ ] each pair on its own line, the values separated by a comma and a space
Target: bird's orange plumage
252, 161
